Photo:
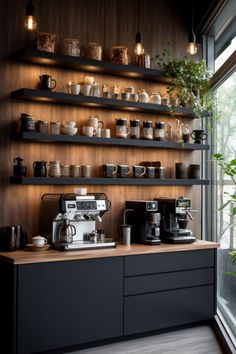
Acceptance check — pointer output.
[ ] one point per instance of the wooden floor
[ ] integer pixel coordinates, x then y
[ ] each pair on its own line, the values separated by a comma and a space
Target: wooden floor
197, 340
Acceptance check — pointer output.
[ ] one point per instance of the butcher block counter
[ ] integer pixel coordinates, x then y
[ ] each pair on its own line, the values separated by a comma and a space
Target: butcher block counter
49, 255
82, 298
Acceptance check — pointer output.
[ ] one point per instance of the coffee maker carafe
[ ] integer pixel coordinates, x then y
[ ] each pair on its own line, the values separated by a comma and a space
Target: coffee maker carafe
145, 221
174, 220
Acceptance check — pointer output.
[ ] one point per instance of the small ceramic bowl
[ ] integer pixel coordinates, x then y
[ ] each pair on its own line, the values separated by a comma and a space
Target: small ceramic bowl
69, 130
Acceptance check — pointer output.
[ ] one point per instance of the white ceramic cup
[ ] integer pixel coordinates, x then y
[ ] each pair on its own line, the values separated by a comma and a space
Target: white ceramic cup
89, 131
106, 133
75, 89
98, 133
85, 89
39, 241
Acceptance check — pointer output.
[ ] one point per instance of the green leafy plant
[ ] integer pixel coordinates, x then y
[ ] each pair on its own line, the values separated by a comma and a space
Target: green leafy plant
229, 168
190, 82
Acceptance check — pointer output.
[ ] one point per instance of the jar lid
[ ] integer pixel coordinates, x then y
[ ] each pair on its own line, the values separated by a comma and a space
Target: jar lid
121, 121
135, 123
160, 125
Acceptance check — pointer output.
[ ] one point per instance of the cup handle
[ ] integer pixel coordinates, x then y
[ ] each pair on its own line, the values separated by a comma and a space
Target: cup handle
128, 131
101, 124
129, 170
73, 234
144, 171
45, 241
115, 170
192, 135
55, 83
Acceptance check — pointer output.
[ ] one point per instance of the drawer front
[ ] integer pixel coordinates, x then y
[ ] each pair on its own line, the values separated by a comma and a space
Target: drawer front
168, 262
167, 281
149, 312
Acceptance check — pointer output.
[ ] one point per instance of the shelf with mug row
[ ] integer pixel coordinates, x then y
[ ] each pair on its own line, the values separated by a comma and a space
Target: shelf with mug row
85, 140
107, 181
34, 56
97, 102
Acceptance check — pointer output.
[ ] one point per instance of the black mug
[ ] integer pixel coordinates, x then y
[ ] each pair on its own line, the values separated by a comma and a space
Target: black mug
194, 171
123, 171
40, 168
198, 135
109, 170
19, 170
139, 171
180, 170
47, 83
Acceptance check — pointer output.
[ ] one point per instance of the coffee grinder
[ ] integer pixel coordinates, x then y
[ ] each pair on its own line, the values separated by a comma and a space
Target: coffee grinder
174, 214
145, 221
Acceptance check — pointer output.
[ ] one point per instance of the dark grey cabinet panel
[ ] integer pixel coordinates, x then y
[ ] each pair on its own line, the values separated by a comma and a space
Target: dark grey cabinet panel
168, 262
165, 309
68, 303
166, 281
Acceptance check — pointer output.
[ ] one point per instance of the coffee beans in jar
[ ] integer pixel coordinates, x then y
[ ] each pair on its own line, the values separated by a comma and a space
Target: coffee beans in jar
119, 55
70, 46
94, 51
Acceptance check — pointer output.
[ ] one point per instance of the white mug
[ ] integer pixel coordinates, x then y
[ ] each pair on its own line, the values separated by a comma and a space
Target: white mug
106, 133
98, 132
85, 89
89, 131
39, 241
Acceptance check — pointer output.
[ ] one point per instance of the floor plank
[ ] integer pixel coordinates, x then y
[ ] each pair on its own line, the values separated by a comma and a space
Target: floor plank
197, 340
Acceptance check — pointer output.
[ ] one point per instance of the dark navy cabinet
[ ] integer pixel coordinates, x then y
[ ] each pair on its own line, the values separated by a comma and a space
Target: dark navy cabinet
64, 304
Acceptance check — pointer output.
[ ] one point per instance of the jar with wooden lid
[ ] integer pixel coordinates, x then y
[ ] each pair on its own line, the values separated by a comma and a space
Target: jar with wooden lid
94, 51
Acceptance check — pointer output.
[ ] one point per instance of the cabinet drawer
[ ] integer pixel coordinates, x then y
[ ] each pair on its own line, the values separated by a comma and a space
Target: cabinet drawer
154, 311
167, 281
168, 262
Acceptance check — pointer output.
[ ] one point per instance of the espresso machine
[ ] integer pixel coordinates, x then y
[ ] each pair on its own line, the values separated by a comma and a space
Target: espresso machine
174, 219
80, 213
145, 221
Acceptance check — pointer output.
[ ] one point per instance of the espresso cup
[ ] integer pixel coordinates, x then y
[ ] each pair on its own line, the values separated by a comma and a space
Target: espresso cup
39, 241
88, 131
123, 171
198, 135
106, 133
139, 171
85, 171
109, 170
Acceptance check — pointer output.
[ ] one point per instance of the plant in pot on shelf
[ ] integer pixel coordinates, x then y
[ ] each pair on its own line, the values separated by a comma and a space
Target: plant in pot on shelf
190, 83
227, 254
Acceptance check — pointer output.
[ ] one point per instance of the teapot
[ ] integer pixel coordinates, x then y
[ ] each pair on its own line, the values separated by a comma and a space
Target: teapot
155, 98
19, 170
66, 232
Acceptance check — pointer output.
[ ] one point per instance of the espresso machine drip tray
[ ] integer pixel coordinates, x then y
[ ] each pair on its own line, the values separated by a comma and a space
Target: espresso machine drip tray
84, 245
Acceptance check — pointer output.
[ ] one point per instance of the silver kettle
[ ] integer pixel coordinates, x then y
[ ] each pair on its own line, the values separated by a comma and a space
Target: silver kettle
66, 232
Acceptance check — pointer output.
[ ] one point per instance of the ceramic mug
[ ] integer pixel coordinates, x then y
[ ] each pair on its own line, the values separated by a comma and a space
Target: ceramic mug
89, 131
106, 133
75, 89
85, 89
39, 241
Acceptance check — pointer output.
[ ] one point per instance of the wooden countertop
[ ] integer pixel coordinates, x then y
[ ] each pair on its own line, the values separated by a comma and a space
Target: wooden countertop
50, 255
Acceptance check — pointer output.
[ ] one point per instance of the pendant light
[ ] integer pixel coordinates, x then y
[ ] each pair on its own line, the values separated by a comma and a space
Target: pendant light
30, 22
192, 46
138, 49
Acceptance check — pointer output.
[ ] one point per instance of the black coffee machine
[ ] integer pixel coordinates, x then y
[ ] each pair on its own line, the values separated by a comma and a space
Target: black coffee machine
145, 221
174, 214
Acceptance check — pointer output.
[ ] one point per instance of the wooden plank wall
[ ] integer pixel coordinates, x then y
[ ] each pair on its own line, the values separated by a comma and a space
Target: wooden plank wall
108, 22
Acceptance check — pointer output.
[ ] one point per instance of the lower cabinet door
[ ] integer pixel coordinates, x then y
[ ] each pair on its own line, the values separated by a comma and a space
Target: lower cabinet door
165, 309
62, 304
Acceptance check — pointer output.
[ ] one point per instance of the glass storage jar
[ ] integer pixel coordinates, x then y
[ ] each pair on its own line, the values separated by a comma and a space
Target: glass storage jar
147, 130
119, 54
54, 169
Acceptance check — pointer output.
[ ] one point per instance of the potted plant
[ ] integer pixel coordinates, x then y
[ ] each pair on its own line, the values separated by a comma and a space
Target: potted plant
190, 82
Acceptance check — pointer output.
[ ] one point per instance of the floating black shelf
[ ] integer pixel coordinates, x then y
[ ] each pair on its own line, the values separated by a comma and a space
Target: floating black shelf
34, 56
107, 181
79, 139
98, 102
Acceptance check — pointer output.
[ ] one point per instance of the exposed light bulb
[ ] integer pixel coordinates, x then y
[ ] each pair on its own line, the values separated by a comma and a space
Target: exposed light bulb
30, 23
138, 49
192, 48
